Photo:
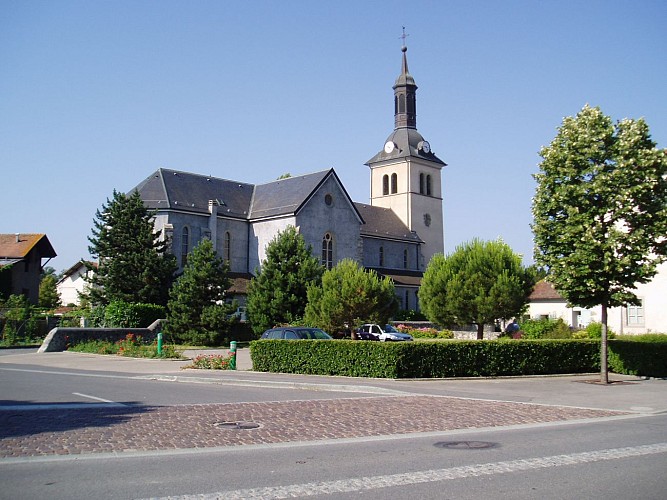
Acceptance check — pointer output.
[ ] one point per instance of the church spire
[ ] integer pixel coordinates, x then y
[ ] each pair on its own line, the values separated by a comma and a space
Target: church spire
405, 95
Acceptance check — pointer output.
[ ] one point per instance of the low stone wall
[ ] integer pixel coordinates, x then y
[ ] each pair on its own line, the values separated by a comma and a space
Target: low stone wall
58, 338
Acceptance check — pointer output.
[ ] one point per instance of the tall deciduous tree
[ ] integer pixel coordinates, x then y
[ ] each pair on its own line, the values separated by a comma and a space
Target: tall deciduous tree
134, 265
48, 292
350, 295
278, 293
481, 282
600, 212
197, 313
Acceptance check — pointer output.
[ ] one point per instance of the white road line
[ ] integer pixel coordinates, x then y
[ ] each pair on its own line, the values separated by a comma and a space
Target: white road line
96, 398
427, 476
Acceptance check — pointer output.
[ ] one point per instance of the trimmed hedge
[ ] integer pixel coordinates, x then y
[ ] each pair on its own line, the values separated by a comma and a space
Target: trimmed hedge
426, 359
645, 356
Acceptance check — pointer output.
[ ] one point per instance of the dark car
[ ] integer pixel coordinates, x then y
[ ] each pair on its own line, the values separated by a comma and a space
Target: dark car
296, 333
372, 331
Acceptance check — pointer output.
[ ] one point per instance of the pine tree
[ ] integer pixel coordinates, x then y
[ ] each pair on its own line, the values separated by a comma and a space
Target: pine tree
278, 294
197, 313
348, 296
479, 283
133, 263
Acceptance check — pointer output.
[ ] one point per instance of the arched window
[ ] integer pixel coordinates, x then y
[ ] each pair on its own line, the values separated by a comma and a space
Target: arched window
227, 248
428, 185
421, 183
401, 103
185, 245
394, 183
405, 259
385, 185
381, 256
327, 251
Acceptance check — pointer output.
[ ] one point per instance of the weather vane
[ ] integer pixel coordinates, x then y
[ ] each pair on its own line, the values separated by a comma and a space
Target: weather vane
404, 36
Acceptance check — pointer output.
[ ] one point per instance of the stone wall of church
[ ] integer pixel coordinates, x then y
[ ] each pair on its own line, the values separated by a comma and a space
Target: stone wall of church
392, 254
260, 235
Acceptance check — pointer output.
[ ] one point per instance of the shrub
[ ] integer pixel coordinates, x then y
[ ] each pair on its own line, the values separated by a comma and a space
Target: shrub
119, 314
425, 333
210, 362
131, 346
594, 331
641, 355
545, 328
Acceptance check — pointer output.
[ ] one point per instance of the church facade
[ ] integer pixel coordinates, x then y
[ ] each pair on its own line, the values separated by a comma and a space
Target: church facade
395, 235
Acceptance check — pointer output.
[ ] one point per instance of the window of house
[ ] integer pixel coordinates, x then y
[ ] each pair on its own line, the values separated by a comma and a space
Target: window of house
405, 258
635, 315
385, 185
227, 248
327, 251
185, 245
407, 300
428, 185
394, 183
381, 256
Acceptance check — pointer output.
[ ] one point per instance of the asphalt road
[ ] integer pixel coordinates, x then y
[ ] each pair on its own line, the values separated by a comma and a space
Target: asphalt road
82, 427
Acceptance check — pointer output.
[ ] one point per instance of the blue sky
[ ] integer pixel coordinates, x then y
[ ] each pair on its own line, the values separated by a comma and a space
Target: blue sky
96, 95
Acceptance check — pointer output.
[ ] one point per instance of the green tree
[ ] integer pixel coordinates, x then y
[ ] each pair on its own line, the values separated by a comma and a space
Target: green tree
197, 313
278, 294
480, 282
600, 212
48, 292
350, 295
133, 263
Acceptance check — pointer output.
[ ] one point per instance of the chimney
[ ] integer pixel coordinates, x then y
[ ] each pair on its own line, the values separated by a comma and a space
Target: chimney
18, 238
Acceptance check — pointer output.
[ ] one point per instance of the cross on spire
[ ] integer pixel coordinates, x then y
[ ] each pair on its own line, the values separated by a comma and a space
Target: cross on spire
404, 36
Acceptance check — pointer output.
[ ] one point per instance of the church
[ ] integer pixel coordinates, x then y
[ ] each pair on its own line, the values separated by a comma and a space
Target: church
395, 235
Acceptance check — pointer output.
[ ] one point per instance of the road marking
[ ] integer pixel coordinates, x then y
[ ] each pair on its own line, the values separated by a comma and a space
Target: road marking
427, 476
97, 399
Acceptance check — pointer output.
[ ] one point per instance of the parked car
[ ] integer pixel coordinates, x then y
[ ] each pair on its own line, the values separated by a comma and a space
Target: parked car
295, 333
372, 331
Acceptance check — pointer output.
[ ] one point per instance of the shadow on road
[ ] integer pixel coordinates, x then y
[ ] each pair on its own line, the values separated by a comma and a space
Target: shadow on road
38, 418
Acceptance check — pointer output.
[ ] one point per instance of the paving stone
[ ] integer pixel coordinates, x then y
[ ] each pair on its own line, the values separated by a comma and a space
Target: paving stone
106, 429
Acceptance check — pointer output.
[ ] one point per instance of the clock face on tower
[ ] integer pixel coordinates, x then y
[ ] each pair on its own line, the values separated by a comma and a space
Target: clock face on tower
425, 147
389, 147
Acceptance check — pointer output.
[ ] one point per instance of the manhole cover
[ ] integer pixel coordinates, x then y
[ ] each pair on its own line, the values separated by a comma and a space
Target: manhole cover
236, 425
465, 445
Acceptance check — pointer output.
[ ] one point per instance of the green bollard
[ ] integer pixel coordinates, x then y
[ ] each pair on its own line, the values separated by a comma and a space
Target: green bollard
159, 344
232, 353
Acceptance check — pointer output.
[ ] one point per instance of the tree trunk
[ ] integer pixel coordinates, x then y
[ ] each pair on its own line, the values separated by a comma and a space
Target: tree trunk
480, 331
604, 375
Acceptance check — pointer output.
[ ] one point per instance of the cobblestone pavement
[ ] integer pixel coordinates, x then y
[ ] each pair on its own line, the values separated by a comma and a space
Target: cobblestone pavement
120, 429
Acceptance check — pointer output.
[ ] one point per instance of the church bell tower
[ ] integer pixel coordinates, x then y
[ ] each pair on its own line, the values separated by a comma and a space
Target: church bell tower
406, 174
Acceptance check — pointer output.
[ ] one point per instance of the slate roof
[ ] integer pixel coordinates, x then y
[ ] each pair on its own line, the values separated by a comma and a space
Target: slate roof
285, 196
384, 223
400, 277
407, 141
14, 247
544, 291
173, 189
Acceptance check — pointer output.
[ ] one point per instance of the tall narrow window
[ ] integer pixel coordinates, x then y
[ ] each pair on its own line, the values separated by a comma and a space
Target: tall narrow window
401, 103
407, 300
405, 259
421, 183
381, 256
428, 185
227, 249
327, 251
635, 315
385, 185
394, 183
185, 245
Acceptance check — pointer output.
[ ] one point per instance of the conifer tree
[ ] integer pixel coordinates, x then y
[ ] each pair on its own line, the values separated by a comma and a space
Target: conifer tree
480, 282
197, 313
133, 263
348, 296
278, 294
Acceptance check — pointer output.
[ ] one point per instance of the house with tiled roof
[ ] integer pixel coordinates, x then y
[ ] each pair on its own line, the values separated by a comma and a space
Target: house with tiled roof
21, 261
73, 283
396, 234
650, 316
